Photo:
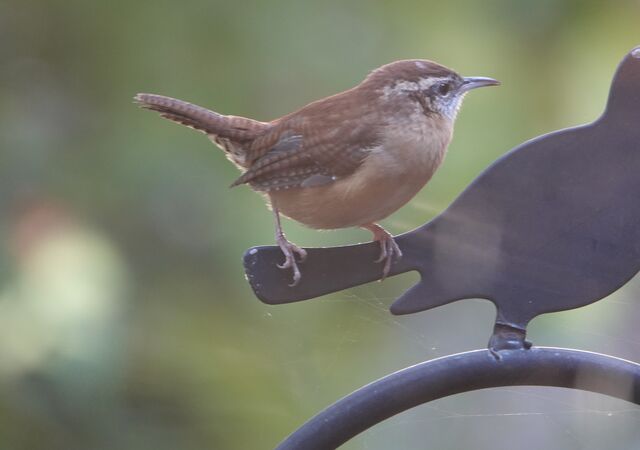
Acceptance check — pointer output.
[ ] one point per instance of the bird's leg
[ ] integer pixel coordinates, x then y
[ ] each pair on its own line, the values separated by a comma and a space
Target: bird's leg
389, 250
289, 249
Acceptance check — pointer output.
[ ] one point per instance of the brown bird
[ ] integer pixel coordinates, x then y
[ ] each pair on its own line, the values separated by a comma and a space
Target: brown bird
349, 160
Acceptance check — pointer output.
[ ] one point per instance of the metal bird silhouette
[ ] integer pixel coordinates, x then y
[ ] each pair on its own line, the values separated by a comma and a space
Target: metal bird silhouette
552, 225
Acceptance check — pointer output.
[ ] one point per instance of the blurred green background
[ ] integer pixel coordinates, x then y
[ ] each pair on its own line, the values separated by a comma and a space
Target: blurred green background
125, 319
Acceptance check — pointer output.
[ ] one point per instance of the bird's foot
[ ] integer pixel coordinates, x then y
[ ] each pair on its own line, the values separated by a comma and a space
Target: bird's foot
389, 250
290, 250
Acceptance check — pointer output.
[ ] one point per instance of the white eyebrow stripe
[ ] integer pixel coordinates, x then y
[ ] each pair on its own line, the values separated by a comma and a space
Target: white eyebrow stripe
403, 86
426, 83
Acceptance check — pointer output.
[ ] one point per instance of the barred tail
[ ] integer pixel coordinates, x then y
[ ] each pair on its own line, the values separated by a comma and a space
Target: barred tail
199, 118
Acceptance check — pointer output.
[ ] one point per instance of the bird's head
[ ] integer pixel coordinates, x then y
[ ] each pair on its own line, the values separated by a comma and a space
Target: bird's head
434, 89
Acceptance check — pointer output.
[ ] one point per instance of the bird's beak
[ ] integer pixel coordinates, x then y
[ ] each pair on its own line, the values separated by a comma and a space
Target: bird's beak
476, 82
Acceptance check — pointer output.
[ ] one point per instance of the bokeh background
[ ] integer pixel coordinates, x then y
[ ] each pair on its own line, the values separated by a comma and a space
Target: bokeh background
125, 319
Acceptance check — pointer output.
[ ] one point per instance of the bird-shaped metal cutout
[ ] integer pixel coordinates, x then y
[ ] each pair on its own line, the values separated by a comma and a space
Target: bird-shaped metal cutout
552, 225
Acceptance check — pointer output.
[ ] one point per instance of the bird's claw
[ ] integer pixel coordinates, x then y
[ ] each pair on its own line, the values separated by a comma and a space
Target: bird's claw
389, 251
290, 251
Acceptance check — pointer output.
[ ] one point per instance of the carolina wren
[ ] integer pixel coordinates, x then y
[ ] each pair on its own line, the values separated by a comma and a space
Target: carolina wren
348, 160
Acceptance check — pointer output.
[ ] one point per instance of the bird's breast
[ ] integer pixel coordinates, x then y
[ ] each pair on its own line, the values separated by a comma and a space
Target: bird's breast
415, 146
390, 176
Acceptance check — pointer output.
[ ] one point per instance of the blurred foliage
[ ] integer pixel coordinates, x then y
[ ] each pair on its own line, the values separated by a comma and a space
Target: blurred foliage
125, 321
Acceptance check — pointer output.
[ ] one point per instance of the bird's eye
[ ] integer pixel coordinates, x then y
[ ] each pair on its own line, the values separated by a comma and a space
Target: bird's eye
443, 88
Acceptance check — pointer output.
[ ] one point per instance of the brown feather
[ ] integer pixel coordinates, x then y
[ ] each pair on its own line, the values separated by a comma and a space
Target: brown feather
202, 119
335, 149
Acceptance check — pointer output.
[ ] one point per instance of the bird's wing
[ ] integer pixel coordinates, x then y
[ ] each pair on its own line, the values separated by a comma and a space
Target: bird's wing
299, 159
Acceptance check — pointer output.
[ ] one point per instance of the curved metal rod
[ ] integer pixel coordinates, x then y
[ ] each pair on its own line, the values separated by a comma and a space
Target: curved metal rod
431, 380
